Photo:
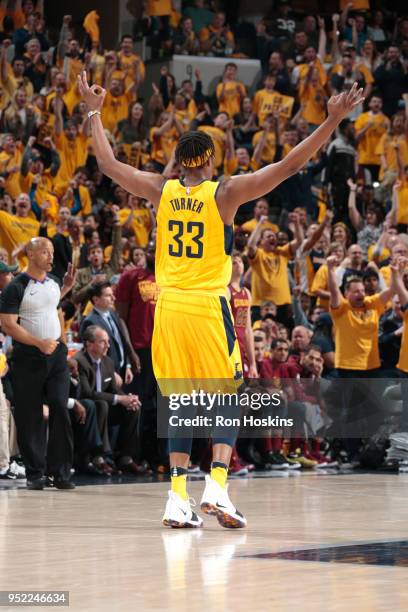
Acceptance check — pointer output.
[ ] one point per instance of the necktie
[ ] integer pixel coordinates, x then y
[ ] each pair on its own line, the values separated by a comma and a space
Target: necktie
98, 376
117, 338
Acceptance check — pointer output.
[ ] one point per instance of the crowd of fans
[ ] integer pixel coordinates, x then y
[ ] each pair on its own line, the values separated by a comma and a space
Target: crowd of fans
331, 234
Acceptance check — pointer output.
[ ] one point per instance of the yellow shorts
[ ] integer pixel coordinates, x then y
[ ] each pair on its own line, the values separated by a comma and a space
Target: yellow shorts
194, 339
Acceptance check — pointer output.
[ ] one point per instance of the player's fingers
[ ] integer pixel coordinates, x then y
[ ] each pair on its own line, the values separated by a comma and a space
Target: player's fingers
85, 80
80, 85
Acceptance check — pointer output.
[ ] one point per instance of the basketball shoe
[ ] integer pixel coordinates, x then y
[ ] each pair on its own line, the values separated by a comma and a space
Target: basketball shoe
178, 513
215, 501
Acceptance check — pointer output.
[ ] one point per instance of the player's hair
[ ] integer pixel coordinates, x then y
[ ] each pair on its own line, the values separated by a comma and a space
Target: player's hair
194, 149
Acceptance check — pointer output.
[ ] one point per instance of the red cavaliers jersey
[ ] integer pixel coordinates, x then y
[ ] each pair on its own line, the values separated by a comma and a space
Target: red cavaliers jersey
240, 304
138, 288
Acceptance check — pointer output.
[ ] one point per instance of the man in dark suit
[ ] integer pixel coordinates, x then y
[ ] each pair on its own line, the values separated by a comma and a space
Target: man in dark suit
103, 315
98, 383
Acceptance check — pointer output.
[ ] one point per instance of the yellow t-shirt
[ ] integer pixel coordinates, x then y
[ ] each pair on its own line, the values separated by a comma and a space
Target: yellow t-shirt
304, 69
163, 145
84, 196
403, 356
6, 92
72, 98
191, 249
115, 108
313, 99
43, 193
141, 224
7, 162
367, 147
362, 68
75, 67
269, 150
183, 117
270, 279
321, 281
356, 337
250, 225
15, 231
385, 147
233, 92
73, 153
158, 8
402, 210
266, 102
126, 63
218, 136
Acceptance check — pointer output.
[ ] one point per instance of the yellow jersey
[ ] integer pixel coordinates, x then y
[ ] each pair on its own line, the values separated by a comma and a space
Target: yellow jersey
194, 245
270, 276
368, 144
357, 334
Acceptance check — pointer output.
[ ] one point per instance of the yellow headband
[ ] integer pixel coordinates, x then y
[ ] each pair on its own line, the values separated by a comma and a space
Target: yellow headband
195, 162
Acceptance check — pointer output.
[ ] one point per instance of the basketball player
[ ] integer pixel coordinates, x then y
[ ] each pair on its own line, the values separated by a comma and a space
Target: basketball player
193, 333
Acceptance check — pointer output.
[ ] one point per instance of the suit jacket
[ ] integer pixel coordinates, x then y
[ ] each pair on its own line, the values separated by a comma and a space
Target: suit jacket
82, 287
95, 318
87, 378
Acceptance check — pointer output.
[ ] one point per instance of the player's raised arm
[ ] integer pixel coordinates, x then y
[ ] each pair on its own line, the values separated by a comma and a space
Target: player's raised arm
239, 189
142, 184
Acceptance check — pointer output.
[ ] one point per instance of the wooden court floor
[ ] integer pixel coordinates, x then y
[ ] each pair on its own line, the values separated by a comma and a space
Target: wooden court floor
342, 544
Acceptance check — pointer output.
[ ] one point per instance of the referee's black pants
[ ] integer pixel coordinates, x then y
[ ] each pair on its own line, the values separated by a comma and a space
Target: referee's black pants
39, 379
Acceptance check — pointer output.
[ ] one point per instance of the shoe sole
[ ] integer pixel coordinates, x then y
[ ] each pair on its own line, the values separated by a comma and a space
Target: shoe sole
224, 519
177, 525
228, 521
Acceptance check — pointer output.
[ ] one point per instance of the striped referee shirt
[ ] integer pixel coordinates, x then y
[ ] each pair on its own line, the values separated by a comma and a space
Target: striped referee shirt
36, 304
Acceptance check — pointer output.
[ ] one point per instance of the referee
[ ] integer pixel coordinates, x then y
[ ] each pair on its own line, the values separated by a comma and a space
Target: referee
30, 314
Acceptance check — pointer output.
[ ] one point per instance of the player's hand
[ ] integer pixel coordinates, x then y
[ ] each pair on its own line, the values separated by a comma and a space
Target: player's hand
351, 184
397, 186
47, 346
340, 106
262, 219
93, 96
